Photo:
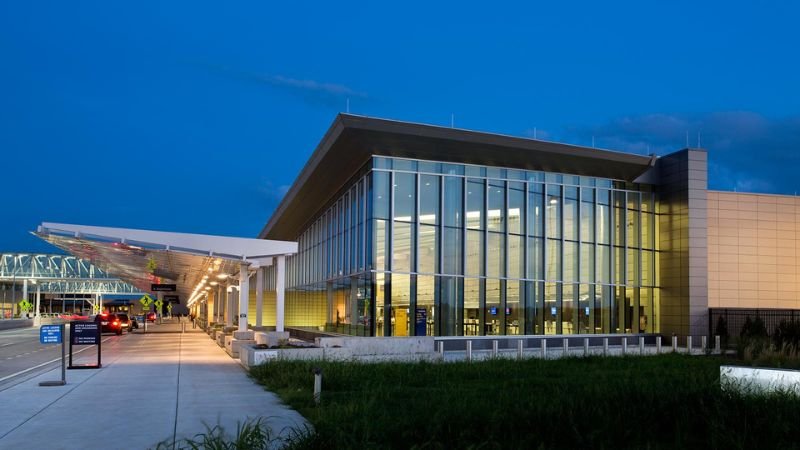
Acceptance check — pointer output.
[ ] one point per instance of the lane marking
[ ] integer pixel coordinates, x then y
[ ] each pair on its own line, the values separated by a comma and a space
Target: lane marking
6, 345
44, 363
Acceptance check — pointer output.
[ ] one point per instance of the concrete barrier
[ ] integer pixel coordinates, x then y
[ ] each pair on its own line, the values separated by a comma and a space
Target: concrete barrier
15, 323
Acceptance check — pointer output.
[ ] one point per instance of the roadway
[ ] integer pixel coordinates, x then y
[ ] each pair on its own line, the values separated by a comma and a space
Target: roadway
23, 357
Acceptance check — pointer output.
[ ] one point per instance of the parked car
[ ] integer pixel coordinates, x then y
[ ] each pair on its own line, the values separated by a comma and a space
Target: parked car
124, 321
151, 316
109, 323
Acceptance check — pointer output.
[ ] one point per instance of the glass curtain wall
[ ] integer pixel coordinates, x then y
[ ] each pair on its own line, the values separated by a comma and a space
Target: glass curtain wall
413, 248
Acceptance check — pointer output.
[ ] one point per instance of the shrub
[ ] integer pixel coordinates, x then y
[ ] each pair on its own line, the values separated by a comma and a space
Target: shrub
787, 336
721, 330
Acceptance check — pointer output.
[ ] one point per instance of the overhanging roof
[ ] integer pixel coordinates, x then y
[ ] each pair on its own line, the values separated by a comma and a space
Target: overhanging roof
351, 140
144, 257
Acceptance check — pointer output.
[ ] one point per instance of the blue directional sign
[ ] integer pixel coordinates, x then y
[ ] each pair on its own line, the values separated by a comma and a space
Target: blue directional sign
50, 334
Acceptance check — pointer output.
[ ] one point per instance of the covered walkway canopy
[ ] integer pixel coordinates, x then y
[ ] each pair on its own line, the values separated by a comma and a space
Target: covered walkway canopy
192, 262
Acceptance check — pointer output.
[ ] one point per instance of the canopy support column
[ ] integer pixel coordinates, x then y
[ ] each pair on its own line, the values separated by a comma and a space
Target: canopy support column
244, 296
280, 287
259, 295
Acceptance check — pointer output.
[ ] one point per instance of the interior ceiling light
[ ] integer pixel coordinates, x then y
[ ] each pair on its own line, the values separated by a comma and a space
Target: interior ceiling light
222, 276
213, 283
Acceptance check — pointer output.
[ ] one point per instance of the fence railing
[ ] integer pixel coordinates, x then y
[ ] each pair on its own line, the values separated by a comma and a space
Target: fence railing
728, 322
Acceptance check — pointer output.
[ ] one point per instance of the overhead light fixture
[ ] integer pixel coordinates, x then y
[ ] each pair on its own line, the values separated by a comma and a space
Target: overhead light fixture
222, 276
214, 283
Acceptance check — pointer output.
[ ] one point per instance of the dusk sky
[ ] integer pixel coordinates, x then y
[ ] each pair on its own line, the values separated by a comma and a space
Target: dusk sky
197, 116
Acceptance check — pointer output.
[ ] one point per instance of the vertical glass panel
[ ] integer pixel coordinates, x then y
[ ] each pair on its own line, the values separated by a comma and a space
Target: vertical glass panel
381, 163
534, 307
553, 263
570, 261
535, 259
648, 230
631, 310
516, 256
553, 211
405, 205
514, 289
571, 213
428, 256
495, 172
453, 201
603, 264
451, 251
603, 217
380, 195
429, 199
403, 244
620, 320
552, 308
381, 244
423, 318
516, 207
647, 268
619, 218
606, 310
493, 307
632, 262
475, 253
535, 209
450, 306
497, 204
569, 318
515, 174
475, 204
586, 309
496, 255
553, 177
472, 304
633, 228
619, 265
587, 263
587, 215
401, 304
646, 310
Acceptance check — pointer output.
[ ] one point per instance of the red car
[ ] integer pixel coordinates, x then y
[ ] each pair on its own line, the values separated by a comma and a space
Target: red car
151, 316
109, 323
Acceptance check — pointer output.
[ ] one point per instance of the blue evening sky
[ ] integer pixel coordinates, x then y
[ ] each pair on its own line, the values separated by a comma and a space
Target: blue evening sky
196, 116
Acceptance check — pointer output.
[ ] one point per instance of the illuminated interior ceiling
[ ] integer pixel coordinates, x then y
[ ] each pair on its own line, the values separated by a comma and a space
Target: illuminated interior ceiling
143, 257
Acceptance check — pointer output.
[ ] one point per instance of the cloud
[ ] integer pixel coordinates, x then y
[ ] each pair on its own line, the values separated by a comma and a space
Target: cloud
746, 151
312, 91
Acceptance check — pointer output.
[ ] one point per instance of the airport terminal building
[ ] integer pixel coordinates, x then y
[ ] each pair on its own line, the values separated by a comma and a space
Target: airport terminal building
403, 229
406, 229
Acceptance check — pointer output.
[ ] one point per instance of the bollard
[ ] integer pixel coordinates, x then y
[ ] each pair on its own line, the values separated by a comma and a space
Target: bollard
641, 345
565, 347
544, 348
441, 349
469, 350
317, 385
605, 346
585, 346
624, 346
704, 343
689, 344
658, 344
674, 343
494, 349
183, 327
520, 348
717, 344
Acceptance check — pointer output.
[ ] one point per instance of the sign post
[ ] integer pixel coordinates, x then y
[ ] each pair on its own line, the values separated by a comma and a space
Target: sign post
54, 334
85, 333
146, 301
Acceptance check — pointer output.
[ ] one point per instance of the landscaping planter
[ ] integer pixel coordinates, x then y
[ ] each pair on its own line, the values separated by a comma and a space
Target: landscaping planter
759, 379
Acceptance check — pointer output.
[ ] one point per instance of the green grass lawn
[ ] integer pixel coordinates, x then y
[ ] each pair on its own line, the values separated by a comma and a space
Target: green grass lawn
667, 401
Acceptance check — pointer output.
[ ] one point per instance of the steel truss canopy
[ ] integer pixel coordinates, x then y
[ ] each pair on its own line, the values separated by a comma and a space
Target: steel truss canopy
193, 262
61, 274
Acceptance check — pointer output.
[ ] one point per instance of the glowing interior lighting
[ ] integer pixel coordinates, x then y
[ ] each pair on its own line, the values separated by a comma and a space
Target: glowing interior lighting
222, 276
213, 283
553, 201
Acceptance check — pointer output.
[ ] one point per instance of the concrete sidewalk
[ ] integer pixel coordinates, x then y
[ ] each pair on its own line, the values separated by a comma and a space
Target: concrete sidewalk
151, 388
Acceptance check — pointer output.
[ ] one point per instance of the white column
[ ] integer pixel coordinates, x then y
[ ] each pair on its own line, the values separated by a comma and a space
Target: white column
244, 296
229, 306
25, 289
280, 287
38, 301
259, 295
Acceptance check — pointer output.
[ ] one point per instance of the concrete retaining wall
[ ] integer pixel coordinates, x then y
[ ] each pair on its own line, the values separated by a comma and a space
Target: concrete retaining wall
758, 379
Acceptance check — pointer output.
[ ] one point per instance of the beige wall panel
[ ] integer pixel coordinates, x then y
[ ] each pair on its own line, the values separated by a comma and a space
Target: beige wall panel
763, 231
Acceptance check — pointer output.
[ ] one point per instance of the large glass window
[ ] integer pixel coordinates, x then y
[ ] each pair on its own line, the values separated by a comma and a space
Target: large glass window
428, 255
497, 204
380, 194
535, 209
403, 243
424, 311
405, 205
571, 213
475, 253
475, 204
429, 199
451, 251
494, 311
535, 258
496, 256
453, 201
516, 256
553, 212
587, 215
516, 207
472, 305
401, 304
